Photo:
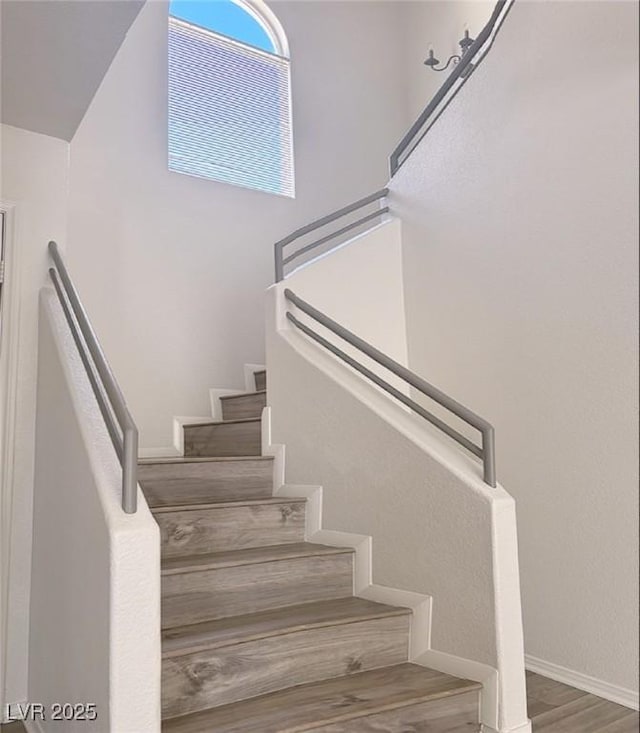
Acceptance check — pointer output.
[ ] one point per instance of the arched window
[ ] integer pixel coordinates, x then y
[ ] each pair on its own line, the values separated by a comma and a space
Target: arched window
230, 94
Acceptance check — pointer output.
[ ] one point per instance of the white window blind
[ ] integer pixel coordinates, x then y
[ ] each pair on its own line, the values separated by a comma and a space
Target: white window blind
229, 111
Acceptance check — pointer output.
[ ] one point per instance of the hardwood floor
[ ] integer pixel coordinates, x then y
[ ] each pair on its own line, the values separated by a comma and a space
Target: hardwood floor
558, 708
553, 707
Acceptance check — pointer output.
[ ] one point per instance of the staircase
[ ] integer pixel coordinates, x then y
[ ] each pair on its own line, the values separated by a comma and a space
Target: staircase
261, 632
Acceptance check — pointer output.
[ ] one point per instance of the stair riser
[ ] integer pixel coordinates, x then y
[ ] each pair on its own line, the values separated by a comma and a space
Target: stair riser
230, 528
229, 674
243, 406
165, 484
188, 598
220, 440
260, 379
448, 715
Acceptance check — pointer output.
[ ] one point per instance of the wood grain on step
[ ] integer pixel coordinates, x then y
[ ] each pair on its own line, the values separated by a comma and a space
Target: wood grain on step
232, 526
587, 714
308, 707
236, 407
248, 556
224, 439
457, 714
207, 592
197, 481
239, 629
238, 671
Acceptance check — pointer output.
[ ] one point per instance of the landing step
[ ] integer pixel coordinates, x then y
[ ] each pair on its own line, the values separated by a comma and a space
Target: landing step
251, 556
240, 629
393, 699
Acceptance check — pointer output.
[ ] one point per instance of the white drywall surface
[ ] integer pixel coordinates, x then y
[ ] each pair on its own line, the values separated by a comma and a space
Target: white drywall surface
520, 229
95, 599
437, 24
361, 285
437, 529
33, 178
173, 268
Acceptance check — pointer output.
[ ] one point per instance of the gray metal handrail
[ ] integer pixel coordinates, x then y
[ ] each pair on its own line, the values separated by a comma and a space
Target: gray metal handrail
486, 451
461, 72
280, 259
120, 425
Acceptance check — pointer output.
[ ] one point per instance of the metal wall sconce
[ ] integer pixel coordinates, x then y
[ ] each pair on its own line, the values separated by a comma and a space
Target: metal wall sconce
464, 44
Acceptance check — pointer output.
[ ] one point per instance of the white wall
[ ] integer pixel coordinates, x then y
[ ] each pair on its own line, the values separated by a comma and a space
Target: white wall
34, 178
360, 284
95, 595
439, 25
173, 268
520, 244
437, 528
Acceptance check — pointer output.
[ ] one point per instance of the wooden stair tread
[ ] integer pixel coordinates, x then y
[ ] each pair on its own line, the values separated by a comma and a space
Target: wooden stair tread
169, 504
251, 556
233, 421
249, 627
271, 500
243, 394
312, 706
200, 459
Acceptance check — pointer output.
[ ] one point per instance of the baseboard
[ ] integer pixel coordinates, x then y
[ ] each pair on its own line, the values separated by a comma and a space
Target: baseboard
613, 693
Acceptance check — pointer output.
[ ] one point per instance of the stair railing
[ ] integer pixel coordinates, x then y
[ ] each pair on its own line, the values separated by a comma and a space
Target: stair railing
118, 420
281, 260
485, 451
457, 78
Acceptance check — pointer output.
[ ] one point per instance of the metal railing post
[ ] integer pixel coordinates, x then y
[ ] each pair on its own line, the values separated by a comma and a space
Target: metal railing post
130, 470
103, 382
278, 247
489, 455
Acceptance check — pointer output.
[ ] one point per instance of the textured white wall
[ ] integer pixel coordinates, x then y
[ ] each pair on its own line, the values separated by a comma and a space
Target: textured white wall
34, 178
173, 268
520, 242
95, 598
361, 285
439, 25
437, 528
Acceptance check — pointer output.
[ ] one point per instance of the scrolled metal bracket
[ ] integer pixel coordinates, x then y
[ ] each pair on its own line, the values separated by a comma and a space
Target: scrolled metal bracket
464, 43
